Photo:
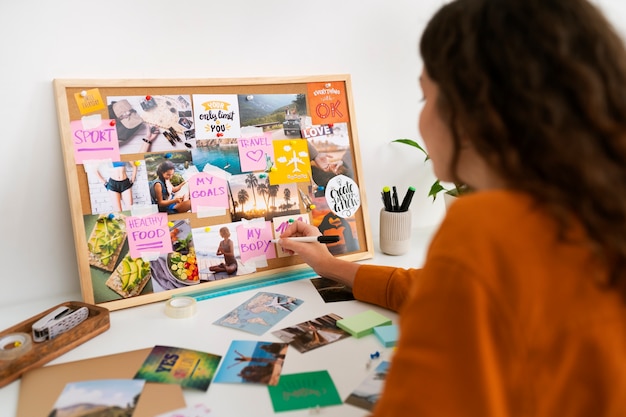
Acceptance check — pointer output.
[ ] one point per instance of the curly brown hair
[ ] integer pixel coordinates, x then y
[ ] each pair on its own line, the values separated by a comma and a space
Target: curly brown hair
539, 86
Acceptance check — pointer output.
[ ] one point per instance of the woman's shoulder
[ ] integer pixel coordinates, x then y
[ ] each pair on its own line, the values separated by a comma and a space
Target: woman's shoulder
492, 216
494, 207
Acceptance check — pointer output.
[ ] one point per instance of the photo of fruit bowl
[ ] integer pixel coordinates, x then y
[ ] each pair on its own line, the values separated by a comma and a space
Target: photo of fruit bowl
183, 267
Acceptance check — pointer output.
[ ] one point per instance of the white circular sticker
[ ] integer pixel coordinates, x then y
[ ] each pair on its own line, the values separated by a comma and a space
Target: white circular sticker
343, 196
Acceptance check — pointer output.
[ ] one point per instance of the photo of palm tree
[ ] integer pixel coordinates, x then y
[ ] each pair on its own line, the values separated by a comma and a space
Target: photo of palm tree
251, 196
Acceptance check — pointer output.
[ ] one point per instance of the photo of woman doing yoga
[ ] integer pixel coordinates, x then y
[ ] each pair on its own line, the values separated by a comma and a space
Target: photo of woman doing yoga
226, 248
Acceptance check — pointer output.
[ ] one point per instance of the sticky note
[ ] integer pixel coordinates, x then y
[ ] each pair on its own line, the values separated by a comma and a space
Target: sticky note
387, 335
254, 240
94, 140
363, 323
292, 162
148, 234
216, 116
255, 152
89, 101
208, 190
328, 102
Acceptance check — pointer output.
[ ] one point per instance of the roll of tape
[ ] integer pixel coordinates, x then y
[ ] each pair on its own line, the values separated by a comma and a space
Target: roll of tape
14, 345
180, 307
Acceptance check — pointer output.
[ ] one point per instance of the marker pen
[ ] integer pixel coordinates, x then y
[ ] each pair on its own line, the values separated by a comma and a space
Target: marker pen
321, 239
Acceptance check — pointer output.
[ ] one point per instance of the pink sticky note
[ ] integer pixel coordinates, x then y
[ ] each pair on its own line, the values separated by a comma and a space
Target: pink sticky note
254, 241
280, 224
207, 190
148, 234
255, 151
99, 142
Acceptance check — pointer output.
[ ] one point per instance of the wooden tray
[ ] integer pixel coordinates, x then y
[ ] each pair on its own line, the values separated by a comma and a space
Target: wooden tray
41, 353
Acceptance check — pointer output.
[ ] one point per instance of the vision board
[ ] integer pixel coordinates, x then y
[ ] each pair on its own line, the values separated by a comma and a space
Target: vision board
178, 185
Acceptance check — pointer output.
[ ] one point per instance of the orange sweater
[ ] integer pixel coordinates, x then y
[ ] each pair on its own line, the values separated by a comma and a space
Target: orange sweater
502, 320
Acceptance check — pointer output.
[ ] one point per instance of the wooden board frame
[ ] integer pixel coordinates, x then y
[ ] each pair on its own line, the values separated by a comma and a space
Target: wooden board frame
82, 200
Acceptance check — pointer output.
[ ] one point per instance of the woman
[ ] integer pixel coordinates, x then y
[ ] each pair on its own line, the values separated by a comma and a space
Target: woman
161, 189
519, 308
226, 248
118, 184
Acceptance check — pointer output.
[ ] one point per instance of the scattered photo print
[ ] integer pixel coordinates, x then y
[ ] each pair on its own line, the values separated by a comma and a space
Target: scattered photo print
198, 410
368, 392
304, 390
249, 361
260, 313
184, 367
312, 334
332, 291
103, 397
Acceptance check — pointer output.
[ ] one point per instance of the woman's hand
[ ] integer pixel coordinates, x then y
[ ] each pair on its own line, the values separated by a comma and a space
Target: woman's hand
153, 132
322, 160
315, 254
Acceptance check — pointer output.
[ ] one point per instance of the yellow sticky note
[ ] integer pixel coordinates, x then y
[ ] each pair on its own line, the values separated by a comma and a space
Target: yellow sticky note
89, 101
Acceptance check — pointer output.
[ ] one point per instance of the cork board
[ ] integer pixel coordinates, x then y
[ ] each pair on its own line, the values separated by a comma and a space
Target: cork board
178, 185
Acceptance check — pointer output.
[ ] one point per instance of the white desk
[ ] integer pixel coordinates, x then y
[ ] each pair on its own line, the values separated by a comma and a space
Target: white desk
146, 326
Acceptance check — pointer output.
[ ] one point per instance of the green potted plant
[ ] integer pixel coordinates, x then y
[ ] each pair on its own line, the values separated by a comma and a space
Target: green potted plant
436, 188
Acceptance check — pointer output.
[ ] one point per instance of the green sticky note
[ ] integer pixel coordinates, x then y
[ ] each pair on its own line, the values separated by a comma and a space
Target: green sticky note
363, 323
304, 390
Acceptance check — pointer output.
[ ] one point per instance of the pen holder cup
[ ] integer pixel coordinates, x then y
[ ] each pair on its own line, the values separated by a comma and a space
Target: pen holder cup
395, 232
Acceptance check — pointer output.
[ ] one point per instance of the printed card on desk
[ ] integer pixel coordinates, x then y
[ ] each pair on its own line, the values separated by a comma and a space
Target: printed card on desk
363, 323
102, 395
312, 334
198, 410
304, 390
260, 313
332, 291
249, 361
367, 393
184, 367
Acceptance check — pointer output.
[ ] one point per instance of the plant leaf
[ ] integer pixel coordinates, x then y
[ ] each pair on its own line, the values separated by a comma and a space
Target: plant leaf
414, 144
435, 189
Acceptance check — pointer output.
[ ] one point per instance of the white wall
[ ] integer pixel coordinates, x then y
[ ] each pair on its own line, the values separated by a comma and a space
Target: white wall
373, 40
